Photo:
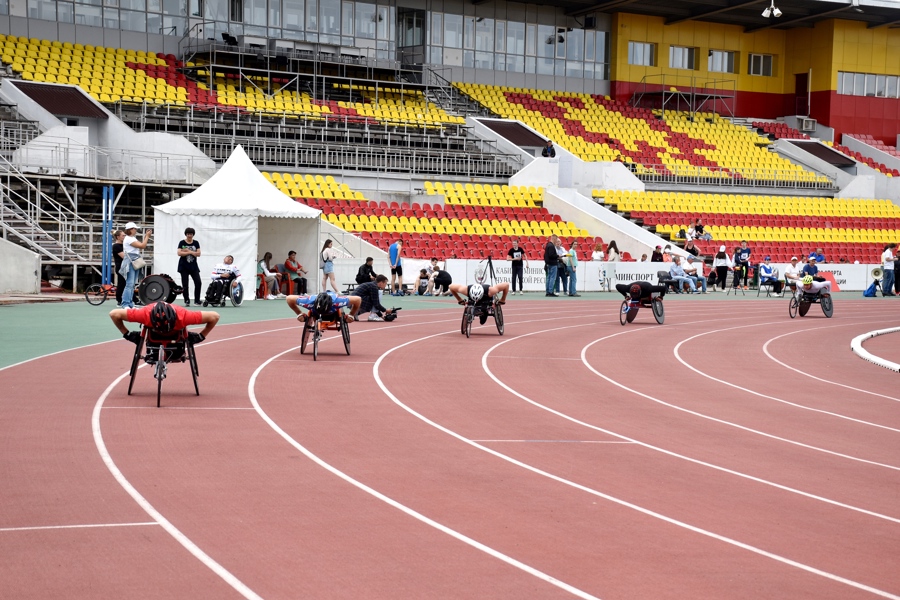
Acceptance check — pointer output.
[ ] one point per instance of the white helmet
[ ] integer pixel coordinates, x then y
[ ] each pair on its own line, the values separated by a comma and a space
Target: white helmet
476, 292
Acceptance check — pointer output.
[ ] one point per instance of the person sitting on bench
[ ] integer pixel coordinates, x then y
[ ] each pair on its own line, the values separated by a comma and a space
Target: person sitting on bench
366, 273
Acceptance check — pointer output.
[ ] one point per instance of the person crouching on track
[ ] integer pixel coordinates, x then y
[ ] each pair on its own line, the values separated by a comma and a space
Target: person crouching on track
164, 319
480, 295
367, 294
326, 305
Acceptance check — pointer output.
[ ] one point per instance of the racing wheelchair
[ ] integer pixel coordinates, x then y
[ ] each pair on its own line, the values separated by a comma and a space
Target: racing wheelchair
637, 297
161, 350
482, 310
215, 294
800, 304
322, 317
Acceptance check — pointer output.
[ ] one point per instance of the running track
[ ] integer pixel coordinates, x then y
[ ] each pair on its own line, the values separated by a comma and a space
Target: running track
731, 453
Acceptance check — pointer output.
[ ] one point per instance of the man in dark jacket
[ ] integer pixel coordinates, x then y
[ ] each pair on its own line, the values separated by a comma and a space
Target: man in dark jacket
369, 298
549, 151
366, 273
551, 260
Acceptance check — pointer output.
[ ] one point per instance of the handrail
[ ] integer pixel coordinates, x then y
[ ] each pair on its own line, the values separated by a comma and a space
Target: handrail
731, 176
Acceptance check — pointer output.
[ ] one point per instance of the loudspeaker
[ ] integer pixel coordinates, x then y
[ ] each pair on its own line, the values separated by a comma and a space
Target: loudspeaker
877, 274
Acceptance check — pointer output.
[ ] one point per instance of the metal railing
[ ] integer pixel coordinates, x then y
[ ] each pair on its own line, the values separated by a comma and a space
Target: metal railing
733, 177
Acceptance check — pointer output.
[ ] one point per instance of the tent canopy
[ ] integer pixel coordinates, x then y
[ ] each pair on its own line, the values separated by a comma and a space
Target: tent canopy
237, 212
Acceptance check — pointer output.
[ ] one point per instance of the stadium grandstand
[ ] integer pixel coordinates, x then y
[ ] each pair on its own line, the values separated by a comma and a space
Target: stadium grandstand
427, 122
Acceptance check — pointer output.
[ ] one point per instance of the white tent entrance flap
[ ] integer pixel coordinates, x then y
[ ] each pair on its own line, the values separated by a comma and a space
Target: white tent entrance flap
237, 212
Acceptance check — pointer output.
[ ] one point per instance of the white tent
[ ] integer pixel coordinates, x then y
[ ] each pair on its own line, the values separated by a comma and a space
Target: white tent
237, 212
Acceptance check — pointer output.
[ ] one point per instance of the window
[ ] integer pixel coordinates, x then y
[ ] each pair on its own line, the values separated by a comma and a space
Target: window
236, 11
437, 30
891, 88
760, 64
293, 14
365, 21
868, 84
641, 53
721, 61
453, 31
133, 21
681, 57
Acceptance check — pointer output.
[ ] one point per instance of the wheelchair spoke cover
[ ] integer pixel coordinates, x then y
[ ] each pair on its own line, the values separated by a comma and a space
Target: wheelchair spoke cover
345, 333
317, 334
498, 318
470, 316
792, 308
623, 312
237, 294
804, 307
827, 306
158, 287
658, 310
304, 339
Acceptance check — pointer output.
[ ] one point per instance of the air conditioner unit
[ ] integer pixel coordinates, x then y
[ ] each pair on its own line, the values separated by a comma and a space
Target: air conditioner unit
807, 124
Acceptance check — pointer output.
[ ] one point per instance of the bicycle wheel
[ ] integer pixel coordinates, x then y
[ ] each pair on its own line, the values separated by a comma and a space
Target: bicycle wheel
96, 294
623, 312
470, 316
237, 294
498, 318
345, 333
304, 337
658, 310
317, 335
827, 306
792, 308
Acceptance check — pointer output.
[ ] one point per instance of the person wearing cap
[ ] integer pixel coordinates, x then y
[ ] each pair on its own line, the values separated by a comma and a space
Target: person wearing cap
767, 274
549, 151
722, 264
657, 255
694, 270
792, 272
677, 272
131, 247
810, 268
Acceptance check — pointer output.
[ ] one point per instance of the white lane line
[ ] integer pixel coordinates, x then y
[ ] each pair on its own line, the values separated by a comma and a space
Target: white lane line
553, 441
619, 501
85, 526
178, 407
182, 539
657, 448
810, 375
394, 503
677, 353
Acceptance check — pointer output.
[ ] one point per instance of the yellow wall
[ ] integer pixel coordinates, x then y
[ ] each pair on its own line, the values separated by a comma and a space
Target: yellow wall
829, 47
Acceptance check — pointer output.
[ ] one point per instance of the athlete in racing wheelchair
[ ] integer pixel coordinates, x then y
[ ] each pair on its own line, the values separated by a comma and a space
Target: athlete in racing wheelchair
225, 278
481, 301
641, 294
811, 292
164, 331
322, 312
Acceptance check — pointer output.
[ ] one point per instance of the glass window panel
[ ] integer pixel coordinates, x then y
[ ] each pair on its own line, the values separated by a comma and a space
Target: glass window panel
453, 31
561, 43
437, 55
65, 12
559, 68
437, 29
274, 14
293, 14
859, 84
484, 35
499, 62
515, 63
133, 4
255, 12
329, 17
4, 7
845, 83
546, 43
196, 8
500, 37
365, 21
385, 29
515, 38
154, 23
484, 60
175, 7
133, 21
880, 82
602, 47
574, 68
575, 45
545, 65
214, 10
111, 18
469, 59
88, 15
891, 88
312, 15
154, 6
42, 9
589, 69
530, 64
870, 85
175, 25
589, 38
347, 19
469, 33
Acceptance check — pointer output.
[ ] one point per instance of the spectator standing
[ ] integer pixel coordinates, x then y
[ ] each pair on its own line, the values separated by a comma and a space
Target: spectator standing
695, 272
887, 264
598, 254
516, 256
188, 252
296, 271
328, 256
549, 151
722, 263
767, 275
131, 250
742, 262
573, 267
657, 255
366, 273
612, 251
551, 262
272, 278
395, 253
117, 253
562, 268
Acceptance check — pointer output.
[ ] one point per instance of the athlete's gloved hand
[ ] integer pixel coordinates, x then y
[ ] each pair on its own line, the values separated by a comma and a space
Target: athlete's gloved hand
195, 338
132, 336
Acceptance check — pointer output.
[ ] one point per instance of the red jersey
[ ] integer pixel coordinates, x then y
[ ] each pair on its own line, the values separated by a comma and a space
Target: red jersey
185, 317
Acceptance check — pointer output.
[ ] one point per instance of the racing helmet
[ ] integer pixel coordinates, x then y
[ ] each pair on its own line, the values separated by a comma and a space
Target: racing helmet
807, 280
323, 305
476, 292
163, 317
636, 291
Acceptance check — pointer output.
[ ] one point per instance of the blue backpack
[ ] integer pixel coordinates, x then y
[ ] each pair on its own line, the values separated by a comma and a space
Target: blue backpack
870, 291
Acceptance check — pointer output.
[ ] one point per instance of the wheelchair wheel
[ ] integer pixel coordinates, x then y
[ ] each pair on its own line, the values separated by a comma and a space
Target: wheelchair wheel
236, 294
317, 335
498, 318
304, 337
658, 310
827, 306
623, 312
156, 288
345, 333
470, 316
803, 308
159, 373
138, 349
792, 308
96, 294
